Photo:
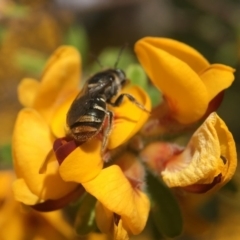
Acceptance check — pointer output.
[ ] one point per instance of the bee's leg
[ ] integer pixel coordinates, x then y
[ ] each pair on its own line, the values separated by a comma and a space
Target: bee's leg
107, 130
119, 100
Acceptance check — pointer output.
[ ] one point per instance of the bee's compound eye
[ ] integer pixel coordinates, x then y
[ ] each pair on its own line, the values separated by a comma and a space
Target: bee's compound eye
121, 73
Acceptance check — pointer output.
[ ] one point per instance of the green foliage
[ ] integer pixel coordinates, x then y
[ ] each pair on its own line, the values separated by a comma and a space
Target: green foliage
228, 53
16, 11
110, 56
231, 186
165, 211
30, 61
136, 75
77, 37
5, 156
85, 220
154, 94
3, 31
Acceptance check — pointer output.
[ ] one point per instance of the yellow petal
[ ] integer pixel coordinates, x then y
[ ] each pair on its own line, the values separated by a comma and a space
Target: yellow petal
58, 122
97, 236
180, 50
57, 220
14, 227
114, 191
202, 160
181, 86
31, 148
106, 224
128, 117
104, 218
120, 232
27, 91
6, 178
217, 78
227, 149
83, 164
23, 194
11, 219
60, 78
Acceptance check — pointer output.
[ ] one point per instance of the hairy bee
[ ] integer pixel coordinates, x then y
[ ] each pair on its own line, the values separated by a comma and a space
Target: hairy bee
89, 112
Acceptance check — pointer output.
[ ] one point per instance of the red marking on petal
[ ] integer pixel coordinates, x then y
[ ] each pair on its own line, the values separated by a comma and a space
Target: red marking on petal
63, 147
214, 104
52, 205
172, 103
202, 188
57, 144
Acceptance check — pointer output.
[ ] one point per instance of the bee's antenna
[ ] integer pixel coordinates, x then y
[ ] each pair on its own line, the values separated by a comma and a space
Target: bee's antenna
96, 59
119, 54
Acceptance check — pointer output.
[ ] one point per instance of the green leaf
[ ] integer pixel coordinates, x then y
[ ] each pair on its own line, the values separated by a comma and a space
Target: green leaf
5, 156
231, 186
30, 61
165, 211
16, 11
155, 95
110, 57
3, 32
77, 37
136, 75
85, 220
226, 54
156, 235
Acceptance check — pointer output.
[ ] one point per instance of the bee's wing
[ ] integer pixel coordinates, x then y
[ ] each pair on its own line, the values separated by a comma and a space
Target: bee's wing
79, 107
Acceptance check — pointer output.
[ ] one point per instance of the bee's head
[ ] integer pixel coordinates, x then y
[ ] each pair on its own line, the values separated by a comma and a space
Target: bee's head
108, 77
108, 82
120, 74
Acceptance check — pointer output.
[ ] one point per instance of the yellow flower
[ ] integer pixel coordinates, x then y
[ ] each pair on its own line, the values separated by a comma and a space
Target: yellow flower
117, 189
122, 208
53, 169
17, 223
208, 161
32, 136
188, 82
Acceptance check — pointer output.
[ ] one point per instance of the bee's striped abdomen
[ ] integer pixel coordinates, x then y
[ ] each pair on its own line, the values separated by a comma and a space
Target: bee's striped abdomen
88, 125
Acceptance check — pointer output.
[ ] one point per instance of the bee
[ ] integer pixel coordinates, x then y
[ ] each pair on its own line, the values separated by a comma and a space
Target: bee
89, 114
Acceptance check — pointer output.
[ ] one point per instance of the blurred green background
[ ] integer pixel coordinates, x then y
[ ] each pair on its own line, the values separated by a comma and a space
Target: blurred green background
30, 30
